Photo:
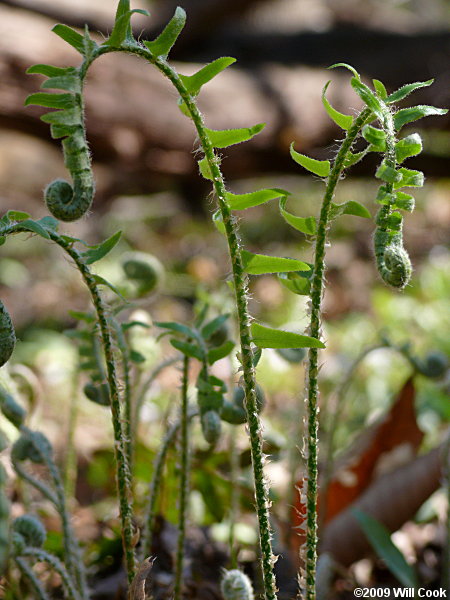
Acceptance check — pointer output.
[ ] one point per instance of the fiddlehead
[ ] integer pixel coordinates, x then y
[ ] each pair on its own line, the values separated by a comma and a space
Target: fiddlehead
235, 585
30, 529
7, 335
393, 262
68, 202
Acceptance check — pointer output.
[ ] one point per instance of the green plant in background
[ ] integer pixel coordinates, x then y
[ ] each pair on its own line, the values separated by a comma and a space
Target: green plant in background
103, 341
28, 534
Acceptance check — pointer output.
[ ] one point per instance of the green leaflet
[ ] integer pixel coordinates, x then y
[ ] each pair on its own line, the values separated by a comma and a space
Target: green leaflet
376, 137
297, 282
243, 201
405, 90
102, 281
388, 174
48, 70
408, 146
366, 95
165, 41
305, 225
98, 251
260, 264
16, 215
70, 82
214, 325
216, 354
187, 349
205, 171
404, 201
218, 222
193, 83
318, 167
349, 208
394, 221
409, 178
351, 159
229, 137
63, 119
344, 121
396, 199
379, 88
346, 66
83, 44
51, 100
407, 115
380, 539
266, 337
177, 328
122, 29
34, 227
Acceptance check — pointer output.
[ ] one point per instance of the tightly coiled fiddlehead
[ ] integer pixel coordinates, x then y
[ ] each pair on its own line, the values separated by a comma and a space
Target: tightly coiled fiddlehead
28, 531
235, 585
7, 335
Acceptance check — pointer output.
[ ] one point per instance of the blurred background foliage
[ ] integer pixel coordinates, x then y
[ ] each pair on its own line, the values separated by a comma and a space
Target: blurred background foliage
148, 186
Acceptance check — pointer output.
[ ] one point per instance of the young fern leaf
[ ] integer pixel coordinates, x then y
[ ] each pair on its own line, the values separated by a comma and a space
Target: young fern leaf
346, 66
349, 208
376, 138
407, 115
407, 89
122, 31
411, 145
266, 337
229, 137
260, 264
307, 225
344, 121
204, 169
243, 201
65, 202
164, 42
367, 96
380, 88
318, 167
72, 37
194, 83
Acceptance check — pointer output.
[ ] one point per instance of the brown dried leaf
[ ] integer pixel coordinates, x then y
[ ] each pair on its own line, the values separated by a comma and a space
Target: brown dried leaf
137, 587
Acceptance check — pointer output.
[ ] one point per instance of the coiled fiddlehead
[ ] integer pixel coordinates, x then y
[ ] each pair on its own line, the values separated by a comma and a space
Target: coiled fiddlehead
68, 202
7, 335
393, 262
235, 585
30, 529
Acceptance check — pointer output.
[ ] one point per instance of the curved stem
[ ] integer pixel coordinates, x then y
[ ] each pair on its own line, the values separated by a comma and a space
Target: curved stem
240, 287
123, 472
55, 563
28, 573
313, 366
149, 521
184, 481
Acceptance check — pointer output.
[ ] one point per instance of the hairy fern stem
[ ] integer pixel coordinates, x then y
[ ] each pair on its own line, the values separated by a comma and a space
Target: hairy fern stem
240, 287
123, 471
184, 481
312, 440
